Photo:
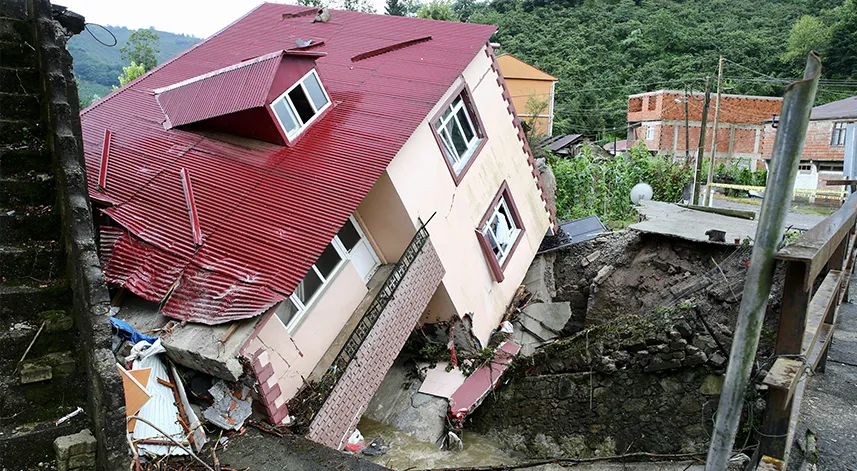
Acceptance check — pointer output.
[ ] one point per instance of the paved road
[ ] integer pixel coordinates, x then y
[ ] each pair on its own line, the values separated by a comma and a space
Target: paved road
829, 405
798, 220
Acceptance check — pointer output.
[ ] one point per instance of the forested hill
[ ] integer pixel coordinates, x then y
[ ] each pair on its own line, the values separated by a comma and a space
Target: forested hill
97, 66
604, 50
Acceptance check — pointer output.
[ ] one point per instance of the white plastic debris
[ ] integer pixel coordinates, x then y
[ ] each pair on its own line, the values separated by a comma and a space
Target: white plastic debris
506, 328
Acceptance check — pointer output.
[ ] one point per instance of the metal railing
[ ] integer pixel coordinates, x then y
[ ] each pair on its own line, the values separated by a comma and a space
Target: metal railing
806, 322
315, 397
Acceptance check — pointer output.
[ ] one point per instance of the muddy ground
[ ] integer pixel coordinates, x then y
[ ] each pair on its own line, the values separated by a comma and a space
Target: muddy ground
631, 273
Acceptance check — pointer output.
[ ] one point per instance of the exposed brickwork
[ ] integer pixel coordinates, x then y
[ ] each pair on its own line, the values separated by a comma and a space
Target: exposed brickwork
495, 66
340, 413
741, 123
737, 109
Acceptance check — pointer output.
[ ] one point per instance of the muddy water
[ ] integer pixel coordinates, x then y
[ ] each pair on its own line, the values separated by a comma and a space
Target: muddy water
407, 453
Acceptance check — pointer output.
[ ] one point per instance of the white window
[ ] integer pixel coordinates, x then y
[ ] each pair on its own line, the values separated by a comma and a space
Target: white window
292, 310
501, 229
650, 133
298, 106
838, 137
459, 133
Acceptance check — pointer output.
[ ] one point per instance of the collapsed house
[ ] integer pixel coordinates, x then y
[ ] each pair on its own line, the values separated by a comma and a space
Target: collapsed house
293, 195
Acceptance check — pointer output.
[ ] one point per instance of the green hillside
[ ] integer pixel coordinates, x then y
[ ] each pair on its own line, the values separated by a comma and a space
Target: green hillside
604, 50
97, 66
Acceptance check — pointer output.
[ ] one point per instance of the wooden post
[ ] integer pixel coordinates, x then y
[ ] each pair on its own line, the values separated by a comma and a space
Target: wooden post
714, 136
700, 152
792, 323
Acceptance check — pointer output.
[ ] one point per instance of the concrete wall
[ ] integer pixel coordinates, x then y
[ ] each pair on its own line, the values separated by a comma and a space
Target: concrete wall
282, 361
105, 406
425, 186
339, 415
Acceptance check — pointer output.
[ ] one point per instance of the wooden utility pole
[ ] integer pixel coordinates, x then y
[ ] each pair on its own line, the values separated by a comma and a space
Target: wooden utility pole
714, 136
700, 152
686, 130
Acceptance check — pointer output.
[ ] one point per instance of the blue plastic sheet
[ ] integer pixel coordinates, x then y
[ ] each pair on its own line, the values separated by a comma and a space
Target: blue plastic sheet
126, 331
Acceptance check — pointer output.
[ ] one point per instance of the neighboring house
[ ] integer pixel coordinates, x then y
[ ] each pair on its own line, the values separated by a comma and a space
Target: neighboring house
529, 86
658, 118
616, 146
297, 207
824, 149
564, 146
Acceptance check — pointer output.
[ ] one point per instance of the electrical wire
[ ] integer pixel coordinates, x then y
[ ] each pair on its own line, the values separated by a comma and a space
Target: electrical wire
115, 41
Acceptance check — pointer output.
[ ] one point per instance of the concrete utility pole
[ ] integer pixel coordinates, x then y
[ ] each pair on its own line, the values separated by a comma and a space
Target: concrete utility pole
714, 136
788, 146
686, 129
700, 152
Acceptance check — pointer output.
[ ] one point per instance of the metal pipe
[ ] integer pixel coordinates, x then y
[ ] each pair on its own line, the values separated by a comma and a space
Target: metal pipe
170, 438
788, 146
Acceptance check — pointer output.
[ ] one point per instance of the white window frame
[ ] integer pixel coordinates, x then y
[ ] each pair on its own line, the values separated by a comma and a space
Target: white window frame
838, 134
302, 309
650, 133
511, 237
285, 97
458, 162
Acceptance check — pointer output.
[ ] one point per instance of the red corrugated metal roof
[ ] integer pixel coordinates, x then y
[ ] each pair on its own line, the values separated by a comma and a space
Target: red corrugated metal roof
266, 211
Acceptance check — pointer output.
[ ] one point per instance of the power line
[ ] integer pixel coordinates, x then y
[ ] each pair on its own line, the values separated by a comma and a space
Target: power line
582, 90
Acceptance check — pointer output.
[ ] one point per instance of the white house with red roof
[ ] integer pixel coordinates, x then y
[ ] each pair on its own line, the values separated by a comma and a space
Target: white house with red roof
299, 195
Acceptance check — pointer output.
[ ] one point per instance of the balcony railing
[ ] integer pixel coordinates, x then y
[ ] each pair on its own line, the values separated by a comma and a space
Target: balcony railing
309, 400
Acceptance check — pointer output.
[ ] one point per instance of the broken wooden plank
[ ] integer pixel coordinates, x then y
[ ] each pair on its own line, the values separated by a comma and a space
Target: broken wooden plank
784, 375
770, 464
815, 246
735, 213
813, 356
821, 304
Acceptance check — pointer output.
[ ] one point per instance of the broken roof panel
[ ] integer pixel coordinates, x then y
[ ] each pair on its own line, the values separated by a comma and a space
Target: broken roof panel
259, 241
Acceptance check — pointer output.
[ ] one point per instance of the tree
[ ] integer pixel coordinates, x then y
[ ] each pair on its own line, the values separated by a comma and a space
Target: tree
129, 74
808, 33
437, 10
362, 6
142, 48
312, 3
842, 55
463, 9
394, 8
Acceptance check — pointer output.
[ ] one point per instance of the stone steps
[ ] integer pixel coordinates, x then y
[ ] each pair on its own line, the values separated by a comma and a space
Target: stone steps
38, 260
28, 223
20, 120
15, 161
14, 30
31, 189
57, 335
17, 54
19, 79
21, 302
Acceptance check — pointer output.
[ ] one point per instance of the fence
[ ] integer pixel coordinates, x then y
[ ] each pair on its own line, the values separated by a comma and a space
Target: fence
826, 193
806, 323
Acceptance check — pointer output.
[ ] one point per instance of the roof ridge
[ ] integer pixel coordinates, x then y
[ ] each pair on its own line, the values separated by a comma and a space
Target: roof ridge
170, 60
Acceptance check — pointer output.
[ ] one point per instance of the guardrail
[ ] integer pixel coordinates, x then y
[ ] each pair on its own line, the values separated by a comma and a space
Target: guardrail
825, 193
806, 323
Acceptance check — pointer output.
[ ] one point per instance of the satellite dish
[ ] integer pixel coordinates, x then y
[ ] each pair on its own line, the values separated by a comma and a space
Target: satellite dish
641, 192
301, 43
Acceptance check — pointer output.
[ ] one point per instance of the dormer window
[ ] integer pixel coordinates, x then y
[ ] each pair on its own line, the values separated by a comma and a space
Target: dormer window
298, 106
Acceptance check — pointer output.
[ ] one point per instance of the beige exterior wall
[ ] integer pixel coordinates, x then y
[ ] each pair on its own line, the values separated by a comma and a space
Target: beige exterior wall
294, 357
425, 186
386, 223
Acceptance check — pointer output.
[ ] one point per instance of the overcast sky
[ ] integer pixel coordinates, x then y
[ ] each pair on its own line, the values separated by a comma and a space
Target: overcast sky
200, 18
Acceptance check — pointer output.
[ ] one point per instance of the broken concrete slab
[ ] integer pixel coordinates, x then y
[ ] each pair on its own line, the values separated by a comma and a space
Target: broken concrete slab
212, 349
672, 220
539, 279
232, 406
603, 274
526, 340
545, 320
